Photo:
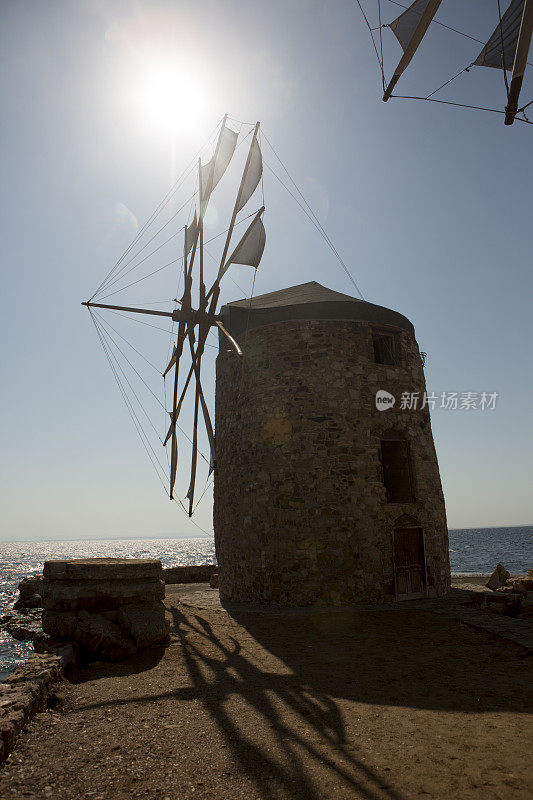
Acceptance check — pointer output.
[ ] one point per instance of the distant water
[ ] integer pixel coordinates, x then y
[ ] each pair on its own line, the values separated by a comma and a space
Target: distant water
480, 549
21, 559
473, 550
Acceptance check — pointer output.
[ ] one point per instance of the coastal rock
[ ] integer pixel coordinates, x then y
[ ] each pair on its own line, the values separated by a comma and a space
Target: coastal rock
498, 578
520, 584
29, 593
98, 635
146, 624
24, 693
213, 583
61, 625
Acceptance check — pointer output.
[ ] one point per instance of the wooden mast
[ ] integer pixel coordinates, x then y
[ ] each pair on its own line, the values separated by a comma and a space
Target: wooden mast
520, 62
424, 23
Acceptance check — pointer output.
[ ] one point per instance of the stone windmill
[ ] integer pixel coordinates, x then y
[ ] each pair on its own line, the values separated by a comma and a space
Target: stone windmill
319, 495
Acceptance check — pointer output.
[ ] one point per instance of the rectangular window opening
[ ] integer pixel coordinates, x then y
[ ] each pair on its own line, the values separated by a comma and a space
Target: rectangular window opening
385, 348
397, 474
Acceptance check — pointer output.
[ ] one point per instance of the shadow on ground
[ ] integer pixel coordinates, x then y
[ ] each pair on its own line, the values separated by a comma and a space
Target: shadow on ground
140, 662
226, 672
292, 698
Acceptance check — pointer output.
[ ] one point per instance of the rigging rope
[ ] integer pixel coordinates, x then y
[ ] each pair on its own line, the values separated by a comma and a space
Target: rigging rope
466, 69
381, 46
131, 411
311, 216
121, 274
175, 260
380, 62
450, 103
163, 405
186, 172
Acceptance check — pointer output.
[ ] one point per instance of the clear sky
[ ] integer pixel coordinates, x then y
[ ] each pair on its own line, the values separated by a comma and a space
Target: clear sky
103, 105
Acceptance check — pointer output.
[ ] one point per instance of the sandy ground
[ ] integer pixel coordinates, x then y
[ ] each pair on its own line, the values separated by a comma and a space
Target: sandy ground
353, 704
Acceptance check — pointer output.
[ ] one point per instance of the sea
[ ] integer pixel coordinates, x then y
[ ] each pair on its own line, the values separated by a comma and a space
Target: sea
473, 551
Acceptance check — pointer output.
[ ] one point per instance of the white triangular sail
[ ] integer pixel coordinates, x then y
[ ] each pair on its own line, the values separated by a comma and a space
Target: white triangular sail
252, 176
410, 28
215, 168
499, 52
190, 235
251, 246
404, 26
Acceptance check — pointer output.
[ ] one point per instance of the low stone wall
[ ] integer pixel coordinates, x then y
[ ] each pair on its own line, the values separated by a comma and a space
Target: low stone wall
26, 692
198, 573
109, 607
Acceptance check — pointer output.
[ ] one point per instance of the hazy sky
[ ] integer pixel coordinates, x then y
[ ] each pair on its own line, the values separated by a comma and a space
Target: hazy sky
105, 103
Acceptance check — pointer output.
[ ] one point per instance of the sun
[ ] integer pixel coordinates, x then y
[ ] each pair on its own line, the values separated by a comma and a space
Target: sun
170, 96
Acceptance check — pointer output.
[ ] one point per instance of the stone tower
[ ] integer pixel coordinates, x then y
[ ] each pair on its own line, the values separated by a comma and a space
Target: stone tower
321, 496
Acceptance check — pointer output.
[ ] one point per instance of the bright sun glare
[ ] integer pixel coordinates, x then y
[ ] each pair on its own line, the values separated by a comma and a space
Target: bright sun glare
171, 97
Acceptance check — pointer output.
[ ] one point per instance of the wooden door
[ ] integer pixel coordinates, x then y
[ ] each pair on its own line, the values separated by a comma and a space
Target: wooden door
409, 564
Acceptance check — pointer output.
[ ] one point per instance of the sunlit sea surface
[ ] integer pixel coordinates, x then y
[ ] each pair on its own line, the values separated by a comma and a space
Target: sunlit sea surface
21, 559
472, 550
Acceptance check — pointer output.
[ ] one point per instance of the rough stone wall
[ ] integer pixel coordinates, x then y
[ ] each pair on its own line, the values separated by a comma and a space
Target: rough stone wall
300, 512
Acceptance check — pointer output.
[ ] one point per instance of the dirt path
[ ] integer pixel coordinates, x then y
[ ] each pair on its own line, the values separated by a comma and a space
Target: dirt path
370, 705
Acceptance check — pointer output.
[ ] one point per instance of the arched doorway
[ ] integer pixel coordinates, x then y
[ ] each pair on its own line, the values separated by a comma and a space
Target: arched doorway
409, 559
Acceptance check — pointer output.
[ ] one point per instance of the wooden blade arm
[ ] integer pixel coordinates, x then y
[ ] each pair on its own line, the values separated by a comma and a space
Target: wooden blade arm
520, 62
412, 47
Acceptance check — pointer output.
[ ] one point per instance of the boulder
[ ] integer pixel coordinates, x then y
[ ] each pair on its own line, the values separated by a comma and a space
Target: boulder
498, 578
146, 624
103, 638
520, 584
29, 593
213, 583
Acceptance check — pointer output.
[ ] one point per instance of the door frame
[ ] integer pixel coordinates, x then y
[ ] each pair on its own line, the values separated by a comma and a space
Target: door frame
413, 595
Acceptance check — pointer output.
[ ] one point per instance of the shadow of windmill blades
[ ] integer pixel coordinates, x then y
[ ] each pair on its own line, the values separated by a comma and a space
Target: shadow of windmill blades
307, 739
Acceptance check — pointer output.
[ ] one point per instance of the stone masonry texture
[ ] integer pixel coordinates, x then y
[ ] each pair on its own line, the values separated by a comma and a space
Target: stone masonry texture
300, 510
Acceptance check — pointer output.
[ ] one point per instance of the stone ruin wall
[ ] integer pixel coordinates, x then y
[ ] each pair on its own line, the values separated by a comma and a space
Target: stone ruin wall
300, 513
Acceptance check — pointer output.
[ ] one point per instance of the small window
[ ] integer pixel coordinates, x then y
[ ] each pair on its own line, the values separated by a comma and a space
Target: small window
385, 348
397, 475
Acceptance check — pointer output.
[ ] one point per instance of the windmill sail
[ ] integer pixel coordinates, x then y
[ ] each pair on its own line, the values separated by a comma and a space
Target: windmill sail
404, 26
216, 167
252, 176
500, 50
250, 248
410, 28
190, 235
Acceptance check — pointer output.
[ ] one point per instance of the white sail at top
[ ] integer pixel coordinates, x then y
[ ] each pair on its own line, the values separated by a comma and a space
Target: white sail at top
216, 167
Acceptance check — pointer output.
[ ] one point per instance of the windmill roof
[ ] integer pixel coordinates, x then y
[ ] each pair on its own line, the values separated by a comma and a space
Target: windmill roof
305, 301
311, 292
